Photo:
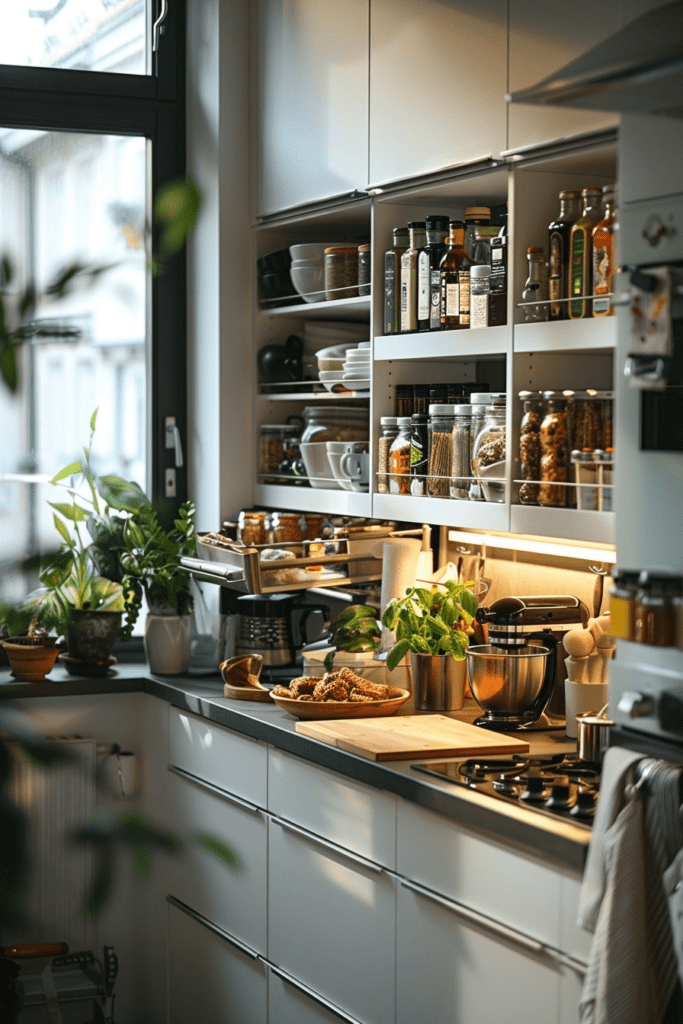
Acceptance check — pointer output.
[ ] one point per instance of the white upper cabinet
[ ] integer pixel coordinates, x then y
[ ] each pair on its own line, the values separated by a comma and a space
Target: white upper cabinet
437, 85
312, 120
543, 38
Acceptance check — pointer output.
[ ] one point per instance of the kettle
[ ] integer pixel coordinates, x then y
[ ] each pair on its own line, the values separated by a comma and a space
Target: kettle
274, 626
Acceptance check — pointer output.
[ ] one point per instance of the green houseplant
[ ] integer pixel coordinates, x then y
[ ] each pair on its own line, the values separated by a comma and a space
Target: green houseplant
433, 627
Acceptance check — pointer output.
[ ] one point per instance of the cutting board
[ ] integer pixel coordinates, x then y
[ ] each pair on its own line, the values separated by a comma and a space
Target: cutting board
406, 736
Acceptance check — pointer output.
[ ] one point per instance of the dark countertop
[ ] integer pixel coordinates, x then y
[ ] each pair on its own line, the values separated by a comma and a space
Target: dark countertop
562, 843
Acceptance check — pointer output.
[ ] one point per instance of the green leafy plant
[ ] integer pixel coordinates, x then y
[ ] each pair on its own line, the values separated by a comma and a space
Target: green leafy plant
152, 558
431, 621
354, 630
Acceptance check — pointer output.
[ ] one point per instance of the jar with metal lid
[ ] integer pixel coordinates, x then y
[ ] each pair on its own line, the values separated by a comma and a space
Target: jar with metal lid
479, 400
419, 452
461, 452
488, 452
363, 269
314, 523
622, 603
388, 426
335, 423
440, 450
253, 528
341, 272
590, 419
554, 452
287, 527
275, 448
658, 598
533, 408
586, 477
399, 459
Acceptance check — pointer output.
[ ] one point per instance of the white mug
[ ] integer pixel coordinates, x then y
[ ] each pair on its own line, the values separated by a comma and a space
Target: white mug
582, 698
355, 466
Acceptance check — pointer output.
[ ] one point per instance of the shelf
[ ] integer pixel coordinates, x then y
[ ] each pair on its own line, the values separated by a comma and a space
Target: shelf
315, 396
332, 500
336, 309
597, 334
481, 515
473, 343
563, 522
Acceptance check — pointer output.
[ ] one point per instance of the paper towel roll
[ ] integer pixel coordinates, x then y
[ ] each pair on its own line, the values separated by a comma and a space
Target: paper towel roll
399, 565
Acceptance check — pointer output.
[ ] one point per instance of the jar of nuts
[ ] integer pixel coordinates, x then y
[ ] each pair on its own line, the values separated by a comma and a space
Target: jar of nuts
275, 448
554, 452
253, 528
288, 527
488, 453
530, 445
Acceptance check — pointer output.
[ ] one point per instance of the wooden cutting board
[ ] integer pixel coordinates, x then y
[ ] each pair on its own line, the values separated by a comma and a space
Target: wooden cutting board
405, 736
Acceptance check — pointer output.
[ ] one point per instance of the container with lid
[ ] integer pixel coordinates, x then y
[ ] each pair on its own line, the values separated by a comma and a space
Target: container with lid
253, 528
461, 452
409, 263
622, 607
479, 401
590, 420
275, 449
476, 218
287, 527
399, 458
489, 449
335, 423
658, 599
440, 450
341, 272
363, 269
388, 431
554, 451
586, 476
533, 409
480, 290
419, 452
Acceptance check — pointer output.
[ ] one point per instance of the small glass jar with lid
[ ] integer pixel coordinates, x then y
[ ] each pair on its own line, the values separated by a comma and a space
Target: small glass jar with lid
287, 527
399, 459
479, 400
658, 599
590, 419
554, 452
533, 408
388, 426
253, 527
586, 477
489, 450
341, 272
363, 269
440, 450
275, 449
536, 287
461, 452
335, 423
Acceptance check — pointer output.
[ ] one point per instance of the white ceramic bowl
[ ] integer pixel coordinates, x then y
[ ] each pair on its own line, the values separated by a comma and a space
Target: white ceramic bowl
309, 281
329, 376
332, 357
318, 468
305, 264
310, 250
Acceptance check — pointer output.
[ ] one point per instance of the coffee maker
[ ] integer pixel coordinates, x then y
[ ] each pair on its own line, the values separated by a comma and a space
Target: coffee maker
274, 626
508, 623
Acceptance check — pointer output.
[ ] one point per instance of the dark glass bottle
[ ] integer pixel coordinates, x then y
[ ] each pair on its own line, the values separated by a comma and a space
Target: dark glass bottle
392, 281
498, 286
416, 229
455, 267
559, 232
428, 264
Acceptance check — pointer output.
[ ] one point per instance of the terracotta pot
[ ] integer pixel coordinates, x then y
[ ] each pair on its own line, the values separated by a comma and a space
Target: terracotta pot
30, 662
167, 643
92, 634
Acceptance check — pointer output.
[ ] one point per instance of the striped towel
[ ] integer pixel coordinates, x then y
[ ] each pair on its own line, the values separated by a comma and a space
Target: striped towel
632, 975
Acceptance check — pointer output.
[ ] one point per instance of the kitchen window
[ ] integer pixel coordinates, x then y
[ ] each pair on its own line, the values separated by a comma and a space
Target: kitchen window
92, 124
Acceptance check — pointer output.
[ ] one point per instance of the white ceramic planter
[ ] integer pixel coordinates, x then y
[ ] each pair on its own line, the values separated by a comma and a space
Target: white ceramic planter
167, 643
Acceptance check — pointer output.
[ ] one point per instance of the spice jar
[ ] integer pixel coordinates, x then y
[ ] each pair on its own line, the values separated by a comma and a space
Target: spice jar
479, 401
658, 598
389, 430
461, 452
554, 452
253, 528
530, 445
363, 269
622, 603
419, 452
341, 272
488, 452
275, 448
399, 458
440, 450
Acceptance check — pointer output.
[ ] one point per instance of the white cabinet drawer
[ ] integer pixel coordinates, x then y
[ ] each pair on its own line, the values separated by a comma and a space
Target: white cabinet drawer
331, 923
347, 813
574, 940
232, 898
236, 763
506, 886
290, 1003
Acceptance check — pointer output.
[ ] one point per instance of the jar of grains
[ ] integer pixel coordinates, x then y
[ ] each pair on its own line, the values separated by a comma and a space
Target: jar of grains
253, 528
275, 447
554, 451
488, 452
585, 421
530, 445
341, 272
389, 430
461, 449
363, 269
399, 459
440, 450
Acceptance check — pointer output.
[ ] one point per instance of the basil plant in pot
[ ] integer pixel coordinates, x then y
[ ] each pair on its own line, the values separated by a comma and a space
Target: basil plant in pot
433, 627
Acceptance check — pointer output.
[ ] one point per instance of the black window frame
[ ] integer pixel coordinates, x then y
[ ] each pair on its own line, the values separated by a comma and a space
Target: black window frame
152, 106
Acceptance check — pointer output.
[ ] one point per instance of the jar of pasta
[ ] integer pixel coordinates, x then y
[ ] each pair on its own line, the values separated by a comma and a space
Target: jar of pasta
554, 451
440, 432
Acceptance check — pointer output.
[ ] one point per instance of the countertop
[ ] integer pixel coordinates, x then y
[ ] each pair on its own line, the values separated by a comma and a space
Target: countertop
563, 843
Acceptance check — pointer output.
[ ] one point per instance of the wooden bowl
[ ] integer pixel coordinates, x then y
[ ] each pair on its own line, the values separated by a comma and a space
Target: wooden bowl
327, 709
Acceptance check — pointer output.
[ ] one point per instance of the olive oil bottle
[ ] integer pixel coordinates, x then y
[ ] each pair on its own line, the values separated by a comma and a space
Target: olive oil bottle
409, 276
604, 254
581, 247
454, 278
559, 234
392, 281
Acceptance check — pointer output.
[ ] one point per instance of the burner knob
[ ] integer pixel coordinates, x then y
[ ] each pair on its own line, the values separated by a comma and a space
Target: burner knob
477, 772
585, 804
560, 794
535, 789
504, 784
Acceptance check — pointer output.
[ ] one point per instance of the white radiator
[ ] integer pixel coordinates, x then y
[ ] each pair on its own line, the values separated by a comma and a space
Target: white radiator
56, 801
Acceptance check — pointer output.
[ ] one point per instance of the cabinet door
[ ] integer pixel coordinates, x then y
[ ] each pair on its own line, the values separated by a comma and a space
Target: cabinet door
437, 84
313, 100
543, 38
449, 968
290, 1003
209, 978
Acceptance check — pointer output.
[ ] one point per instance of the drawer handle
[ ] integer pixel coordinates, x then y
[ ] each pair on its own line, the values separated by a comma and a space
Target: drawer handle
210, 926
472, 915
312, 838
228, 797
310, 993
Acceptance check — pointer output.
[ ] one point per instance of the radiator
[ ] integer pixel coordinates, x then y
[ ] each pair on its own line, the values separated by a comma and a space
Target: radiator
56, 801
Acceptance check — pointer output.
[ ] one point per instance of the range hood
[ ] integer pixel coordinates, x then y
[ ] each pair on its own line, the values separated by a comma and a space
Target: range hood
639, 69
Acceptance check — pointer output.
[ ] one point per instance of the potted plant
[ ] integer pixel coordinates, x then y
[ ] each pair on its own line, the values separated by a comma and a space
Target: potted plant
29, 647
354, 631
433, 627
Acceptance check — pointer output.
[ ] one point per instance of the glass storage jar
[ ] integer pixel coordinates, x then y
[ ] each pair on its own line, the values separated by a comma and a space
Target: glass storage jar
440, 450
622, 603
488, 452
275, 449
341, 272
461, 452
253, 528
605, 461
554, 452
530, 446
335, 423
658, 598
590, 420
287, 527
363, 269
586, 473
388, 431
399, 459
479, 401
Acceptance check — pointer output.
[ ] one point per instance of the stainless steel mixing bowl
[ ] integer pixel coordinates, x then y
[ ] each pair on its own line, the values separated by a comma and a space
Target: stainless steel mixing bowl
507, 684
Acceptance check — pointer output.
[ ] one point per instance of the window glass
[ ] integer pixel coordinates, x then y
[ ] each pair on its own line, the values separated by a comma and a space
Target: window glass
88, 35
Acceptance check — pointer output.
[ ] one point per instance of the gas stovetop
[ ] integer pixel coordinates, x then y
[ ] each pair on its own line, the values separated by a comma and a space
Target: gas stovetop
557, 785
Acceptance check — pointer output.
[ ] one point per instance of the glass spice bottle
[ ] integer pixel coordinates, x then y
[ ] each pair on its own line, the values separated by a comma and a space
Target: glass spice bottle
622, 603
480, 289
536, 287
476, 218
454, 274
604, 254
489, 449
479, 400
581, 249
341, 272
409, 259
461, 449
440, 450
428, 262
554, 451
530, 446
399, 459
559, 234
392, 281
389, 431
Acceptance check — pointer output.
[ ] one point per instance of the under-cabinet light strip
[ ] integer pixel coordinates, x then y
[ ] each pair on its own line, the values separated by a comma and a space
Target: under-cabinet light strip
520, 542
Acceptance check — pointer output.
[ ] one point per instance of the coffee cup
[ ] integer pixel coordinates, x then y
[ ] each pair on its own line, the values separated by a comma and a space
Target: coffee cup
355, 467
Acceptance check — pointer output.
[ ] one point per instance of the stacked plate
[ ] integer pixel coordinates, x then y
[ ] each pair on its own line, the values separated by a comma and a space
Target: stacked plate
356, 374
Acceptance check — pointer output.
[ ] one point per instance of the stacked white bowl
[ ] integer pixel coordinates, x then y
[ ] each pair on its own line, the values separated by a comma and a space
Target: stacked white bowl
307, 270
357, 367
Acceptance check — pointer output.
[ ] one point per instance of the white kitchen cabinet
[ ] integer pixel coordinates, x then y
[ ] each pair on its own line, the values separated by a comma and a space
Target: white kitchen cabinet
289, 1002
312, 121
437, 85
210, 978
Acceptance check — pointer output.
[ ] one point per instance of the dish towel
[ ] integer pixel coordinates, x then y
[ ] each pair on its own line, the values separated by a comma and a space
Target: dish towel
632, 974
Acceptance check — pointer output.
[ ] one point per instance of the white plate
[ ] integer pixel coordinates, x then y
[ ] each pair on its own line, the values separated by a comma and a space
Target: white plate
328, 376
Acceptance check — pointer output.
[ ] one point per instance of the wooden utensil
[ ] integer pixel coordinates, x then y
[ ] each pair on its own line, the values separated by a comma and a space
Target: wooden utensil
241, 678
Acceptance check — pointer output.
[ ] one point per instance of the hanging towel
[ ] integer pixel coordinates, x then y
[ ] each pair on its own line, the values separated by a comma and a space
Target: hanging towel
632, 971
